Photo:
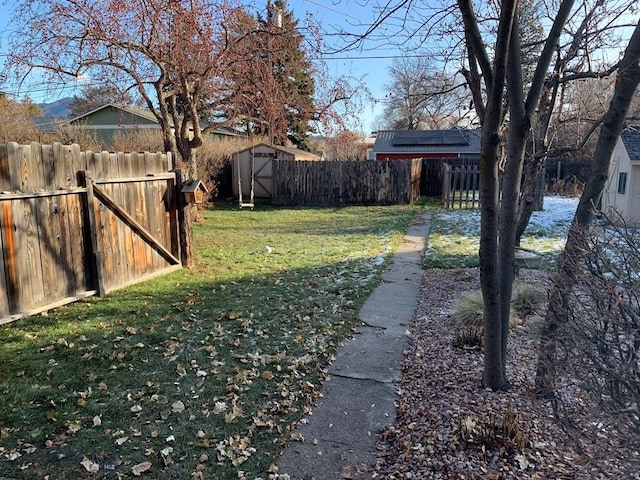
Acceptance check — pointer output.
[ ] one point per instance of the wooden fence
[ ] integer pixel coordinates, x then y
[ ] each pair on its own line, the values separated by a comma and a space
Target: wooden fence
345, 183
461, 187
74, 224
433, 170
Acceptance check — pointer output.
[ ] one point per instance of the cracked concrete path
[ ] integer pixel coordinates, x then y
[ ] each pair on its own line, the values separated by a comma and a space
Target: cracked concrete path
341, 432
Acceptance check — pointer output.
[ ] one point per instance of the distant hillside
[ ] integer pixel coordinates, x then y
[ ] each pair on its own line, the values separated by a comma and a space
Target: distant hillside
59, 108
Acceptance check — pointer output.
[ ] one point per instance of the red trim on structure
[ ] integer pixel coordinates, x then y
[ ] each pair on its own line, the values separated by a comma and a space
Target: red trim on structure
411, 156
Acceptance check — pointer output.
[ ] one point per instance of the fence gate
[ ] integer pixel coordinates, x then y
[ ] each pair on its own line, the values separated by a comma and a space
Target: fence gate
461, 186
74, 224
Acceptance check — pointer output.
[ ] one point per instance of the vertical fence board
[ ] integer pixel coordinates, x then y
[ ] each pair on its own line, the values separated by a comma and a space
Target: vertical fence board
7, 251
82, 280
54, 278
15, 175
5, 180
29, 257
124, 196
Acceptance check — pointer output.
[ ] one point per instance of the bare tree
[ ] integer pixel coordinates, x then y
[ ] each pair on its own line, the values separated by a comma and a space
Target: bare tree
166, 52
344, 145
16, 124
421, 98
627, 81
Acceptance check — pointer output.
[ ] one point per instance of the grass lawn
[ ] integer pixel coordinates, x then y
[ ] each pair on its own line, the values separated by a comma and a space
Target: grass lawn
455, 238
199, 374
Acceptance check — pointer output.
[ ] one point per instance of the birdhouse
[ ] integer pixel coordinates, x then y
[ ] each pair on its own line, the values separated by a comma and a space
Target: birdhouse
194, 191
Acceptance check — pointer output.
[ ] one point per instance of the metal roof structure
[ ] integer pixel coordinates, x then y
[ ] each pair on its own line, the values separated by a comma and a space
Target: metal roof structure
463, 142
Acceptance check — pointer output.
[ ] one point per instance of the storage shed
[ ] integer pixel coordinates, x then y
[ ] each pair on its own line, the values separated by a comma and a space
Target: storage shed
253, 164
621, 196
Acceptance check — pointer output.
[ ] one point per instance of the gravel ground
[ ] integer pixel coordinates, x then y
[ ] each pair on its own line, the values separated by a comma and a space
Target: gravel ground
449, 427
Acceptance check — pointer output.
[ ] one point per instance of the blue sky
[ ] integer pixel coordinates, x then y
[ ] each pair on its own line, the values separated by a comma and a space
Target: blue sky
370, 61
333, 15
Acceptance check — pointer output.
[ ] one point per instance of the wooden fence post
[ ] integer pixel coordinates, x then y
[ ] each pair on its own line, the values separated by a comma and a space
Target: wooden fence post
96, 269
185, 223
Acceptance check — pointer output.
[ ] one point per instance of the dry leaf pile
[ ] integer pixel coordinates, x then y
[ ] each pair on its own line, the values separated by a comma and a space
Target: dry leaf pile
449, 427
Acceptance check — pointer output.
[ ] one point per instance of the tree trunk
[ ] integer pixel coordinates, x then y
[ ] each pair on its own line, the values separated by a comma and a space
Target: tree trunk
533, 169
498, 233
185, 223
516, 142
627, 82
494, 372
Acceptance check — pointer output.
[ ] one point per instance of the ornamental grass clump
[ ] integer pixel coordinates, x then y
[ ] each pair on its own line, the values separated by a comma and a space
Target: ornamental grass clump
526, 300
494, 433
467, 315
468, 311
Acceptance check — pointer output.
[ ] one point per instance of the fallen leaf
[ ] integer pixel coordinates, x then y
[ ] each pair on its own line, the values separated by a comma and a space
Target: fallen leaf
97, 421
140, 468
74, 427
219, 407
166, 451
522, 461
177, 407
136, 408
89, 465
121, 440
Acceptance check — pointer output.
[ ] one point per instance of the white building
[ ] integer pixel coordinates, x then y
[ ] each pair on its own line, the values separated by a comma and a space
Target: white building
621, 196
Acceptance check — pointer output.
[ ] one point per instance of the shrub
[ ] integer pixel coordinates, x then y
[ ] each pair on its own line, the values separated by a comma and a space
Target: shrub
468, 338
468, 311
601, 340
526, 300
67, 134
138, 140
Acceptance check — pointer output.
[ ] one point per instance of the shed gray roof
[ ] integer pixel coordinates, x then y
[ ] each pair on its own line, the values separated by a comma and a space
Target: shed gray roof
428, 141
631, 139
296, 152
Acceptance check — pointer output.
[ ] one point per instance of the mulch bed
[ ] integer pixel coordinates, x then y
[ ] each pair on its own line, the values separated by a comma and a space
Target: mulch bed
449, 427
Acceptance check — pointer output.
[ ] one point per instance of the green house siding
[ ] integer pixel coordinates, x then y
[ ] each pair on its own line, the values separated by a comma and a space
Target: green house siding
106, 121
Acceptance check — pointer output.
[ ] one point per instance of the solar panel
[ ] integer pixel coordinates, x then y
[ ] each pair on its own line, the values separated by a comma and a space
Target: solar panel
430, 137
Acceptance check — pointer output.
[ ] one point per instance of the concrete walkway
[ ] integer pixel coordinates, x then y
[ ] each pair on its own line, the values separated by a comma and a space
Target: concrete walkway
341, 432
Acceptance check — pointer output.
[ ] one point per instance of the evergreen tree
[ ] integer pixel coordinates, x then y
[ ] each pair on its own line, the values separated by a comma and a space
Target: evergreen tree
271, 85
293, 71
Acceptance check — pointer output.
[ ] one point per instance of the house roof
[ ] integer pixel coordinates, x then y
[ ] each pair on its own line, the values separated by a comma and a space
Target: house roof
147, 115
138, 112
296, 152
427, 141
631, 139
